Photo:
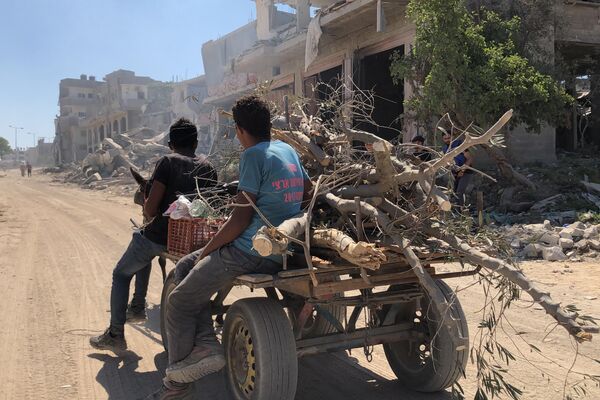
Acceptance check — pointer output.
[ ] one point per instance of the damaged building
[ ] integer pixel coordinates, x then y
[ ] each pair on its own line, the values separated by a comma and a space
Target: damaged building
296, 44
123, 103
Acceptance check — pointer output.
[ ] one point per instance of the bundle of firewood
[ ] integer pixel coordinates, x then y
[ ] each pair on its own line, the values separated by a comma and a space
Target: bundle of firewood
370, 205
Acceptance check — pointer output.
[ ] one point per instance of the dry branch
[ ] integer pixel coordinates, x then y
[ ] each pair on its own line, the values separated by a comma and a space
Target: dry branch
362, 254
476, 257
269, 241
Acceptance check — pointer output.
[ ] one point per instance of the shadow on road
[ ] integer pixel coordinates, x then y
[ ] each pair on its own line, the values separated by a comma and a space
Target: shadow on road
120, 379
324, 376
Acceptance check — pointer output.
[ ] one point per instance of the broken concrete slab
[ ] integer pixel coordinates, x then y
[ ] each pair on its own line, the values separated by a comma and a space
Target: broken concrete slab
530, 251
565, 234
573, 232
591, 232
553, 253
110, 144
566, 244
594, 244
577, 225
550, 238
94, 178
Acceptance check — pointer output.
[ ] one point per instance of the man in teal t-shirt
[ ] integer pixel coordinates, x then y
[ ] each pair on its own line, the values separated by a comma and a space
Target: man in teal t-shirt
273, 178
272, 172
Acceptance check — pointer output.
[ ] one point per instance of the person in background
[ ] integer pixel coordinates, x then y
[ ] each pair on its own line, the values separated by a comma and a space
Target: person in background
174, 174
28, 165
273, 179
462, 162
420, 152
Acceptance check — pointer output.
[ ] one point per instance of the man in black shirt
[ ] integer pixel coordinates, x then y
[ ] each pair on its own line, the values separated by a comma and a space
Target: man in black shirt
174, 174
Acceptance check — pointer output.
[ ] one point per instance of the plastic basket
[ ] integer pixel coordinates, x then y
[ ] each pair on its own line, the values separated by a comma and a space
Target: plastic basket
188, 235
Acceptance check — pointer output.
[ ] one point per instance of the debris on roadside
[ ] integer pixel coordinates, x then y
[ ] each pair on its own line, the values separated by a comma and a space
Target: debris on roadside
553, 243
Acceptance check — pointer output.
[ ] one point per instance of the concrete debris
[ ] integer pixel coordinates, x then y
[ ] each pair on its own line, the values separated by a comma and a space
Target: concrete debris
565, 234
94, 178
530, 251
553, 243
110, 164
595, 244
566, 243
550, 238
591, 232
553, 253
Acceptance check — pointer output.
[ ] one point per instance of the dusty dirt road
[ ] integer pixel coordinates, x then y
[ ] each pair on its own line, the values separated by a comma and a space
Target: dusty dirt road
59, 244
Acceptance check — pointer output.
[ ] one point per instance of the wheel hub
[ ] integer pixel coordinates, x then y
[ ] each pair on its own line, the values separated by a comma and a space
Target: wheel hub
243, 360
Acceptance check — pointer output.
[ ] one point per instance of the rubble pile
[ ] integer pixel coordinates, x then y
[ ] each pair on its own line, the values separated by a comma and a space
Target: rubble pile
562, 191
554, 243
109, 166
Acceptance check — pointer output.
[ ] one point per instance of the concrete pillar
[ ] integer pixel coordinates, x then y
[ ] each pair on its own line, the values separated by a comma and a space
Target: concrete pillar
264, 19
302, 14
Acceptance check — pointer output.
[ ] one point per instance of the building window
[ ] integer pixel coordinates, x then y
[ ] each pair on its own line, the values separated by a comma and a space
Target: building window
141, 95
81, 114
90, 95
81, 95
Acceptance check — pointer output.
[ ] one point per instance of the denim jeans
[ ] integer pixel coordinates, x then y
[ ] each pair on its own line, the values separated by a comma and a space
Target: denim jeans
135, 261
189, 318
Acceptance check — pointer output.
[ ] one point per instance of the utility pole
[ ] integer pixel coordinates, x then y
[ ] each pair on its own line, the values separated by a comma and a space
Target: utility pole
16, 143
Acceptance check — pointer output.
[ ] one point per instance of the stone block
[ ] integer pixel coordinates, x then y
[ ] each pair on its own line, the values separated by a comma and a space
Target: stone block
553, 253
566, 243
550, 238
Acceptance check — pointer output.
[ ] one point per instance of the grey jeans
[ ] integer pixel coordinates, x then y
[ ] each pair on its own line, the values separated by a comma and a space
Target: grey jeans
189, 318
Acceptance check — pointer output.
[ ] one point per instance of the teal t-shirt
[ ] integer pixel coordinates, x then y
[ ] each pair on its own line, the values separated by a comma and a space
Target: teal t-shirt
273, 173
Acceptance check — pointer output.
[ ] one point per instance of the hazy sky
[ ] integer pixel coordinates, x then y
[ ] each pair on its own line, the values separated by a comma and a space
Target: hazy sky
44, 41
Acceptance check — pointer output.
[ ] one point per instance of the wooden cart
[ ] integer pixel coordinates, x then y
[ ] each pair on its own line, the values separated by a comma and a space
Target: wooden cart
305, 312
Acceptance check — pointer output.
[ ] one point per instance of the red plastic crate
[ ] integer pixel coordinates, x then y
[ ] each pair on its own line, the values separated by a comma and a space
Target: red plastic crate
188, 235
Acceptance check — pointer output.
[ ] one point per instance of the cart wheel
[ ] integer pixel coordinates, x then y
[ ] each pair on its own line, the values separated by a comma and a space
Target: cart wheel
168, 287
431, 364
260, 350
316, 324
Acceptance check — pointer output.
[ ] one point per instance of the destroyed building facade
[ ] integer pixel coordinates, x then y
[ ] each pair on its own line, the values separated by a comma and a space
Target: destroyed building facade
304, 42
91, 110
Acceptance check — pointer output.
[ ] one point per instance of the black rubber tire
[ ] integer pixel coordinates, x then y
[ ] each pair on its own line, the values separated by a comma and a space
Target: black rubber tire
168, 287
272, 370
447, 362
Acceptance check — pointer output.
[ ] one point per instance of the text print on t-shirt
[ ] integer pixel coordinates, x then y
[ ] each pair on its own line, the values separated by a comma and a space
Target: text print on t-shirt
285, 184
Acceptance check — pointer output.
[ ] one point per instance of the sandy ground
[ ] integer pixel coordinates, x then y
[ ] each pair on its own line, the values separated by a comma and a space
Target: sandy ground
58, 245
